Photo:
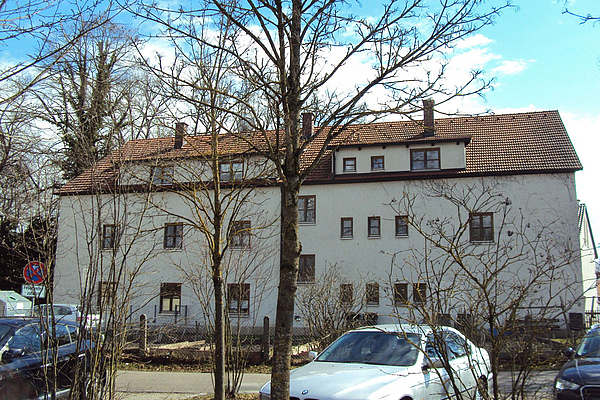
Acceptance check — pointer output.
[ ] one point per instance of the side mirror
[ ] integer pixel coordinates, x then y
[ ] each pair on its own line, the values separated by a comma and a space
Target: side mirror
432, 363
568, 352
12, 353
312, 355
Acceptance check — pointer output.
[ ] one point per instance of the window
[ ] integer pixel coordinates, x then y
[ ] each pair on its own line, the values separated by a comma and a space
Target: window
107, 292
162, 175
346, 293
372, 294
419, 292
170, 297
350, 164
238, 298
108, 236
401, 225
231, 171
481, 227
173, 236
240, 234
400, 293
377, 163
347, 231
422, 159
306, 273
374, 227
307, 209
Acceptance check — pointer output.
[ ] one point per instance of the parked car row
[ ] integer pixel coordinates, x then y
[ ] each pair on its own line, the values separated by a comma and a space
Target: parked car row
31, 367
403, 362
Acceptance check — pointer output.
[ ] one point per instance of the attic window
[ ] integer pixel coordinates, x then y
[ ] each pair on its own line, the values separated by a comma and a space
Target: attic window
424, 159
350, 164
162, 175
233, 171
377, 163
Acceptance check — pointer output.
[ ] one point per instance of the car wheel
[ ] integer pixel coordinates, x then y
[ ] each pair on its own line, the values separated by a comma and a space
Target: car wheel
482, 389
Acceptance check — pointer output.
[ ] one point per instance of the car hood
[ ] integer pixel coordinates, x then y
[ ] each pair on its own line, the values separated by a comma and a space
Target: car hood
582, 371
324, 380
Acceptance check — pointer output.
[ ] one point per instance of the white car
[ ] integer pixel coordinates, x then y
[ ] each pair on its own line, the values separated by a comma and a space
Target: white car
67, 312
393, 362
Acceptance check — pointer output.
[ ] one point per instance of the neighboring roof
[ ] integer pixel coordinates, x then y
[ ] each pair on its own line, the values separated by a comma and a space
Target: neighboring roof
535, 142
584, 223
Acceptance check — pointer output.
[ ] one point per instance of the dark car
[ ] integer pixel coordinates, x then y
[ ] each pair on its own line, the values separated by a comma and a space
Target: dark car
579, 378
36, 360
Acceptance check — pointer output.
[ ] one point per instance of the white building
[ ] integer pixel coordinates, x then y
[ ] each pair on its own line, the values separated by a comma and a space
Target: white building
407, 214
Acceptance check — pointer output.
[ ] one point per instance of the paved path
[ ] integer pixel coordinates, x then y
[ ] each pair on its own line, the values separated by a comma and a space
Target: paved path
150, 385
146, 385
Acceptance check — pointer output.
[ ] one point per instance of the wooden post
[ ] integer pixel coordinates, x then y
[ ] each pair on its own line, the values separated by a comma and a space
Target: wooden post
143, 332
265, 347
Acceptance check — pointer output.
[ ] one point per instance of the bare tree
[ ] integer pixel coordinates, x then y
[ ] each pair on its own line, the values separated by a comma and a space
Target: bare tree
331, 304
492, 277
288, 56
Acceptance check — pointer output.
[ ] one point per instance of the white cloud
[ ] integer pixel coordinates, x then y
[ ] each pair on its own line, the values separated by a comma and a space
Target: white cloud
473, 41
508, 67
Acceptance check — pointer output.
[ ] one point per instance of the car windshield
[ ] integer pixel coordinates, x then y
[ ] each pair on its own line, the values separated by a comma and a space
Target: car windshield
590, 345
374, 347
4, 330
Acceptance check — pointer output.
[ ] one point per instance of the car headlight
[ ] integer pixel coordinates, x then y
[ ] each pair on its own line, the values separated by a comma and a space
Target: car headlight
563, 384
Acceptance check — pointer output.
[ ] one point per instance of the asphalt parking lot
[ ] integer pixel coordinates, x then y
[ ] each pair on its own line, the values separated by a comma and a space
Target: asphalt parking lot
150, 385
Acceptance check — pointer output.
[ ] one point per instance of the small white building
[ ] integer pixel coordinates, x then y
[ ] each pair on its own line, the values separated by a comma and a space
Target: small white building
409, 215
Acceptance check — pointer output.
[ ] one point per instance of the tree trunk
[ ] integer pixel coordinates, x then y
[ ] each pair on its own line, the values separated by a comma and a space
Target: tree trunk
290, 253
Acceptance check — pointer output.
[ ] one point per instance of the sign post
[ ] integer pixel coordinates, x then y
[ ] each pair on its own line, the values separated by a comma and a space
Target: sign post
34, 272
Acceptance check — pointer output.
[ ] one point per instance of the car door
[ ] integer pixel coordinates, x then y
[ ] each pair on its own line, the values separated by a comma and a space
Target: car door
435, 376
459, 355
27, 366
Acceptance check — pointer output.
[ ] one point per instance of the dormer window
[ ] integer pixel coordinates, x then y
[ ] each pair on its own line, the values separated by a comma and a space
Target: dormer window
350, 164
424, 159
231, 171
162, 175
377, 163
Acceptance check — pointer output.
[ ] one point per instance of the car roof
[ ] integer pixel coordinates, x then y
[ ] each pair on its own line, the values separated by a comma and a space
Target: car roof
19, 321
405, 328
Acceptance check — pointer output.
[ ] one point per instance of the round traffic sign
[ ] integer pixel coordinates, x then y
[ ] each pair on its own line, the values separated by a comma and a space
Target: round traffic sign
34, 272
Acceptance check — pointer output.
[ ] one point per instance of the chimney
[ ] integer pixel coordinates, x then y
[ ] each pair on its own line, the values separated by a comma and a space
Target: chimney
180, 130
307, 125
428, 121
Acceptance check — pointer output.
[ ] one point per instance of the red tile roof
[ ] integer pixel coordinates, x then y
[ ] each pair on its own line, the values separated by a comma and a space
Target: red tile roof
535, 142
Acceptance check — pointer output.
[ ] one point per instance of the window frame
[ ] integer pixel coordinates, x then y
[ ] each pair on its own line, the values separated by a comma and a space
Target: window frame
346, 294
344, 235
374, 163
371, 220
304, 258
239, 234
372, 294
231, 173
106, 291
173, 236
400, 294
419, 292
161, 175
242, 294
397, 225
111, 238
425, 159
349, 164
170, 291
303, 213
481, 229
